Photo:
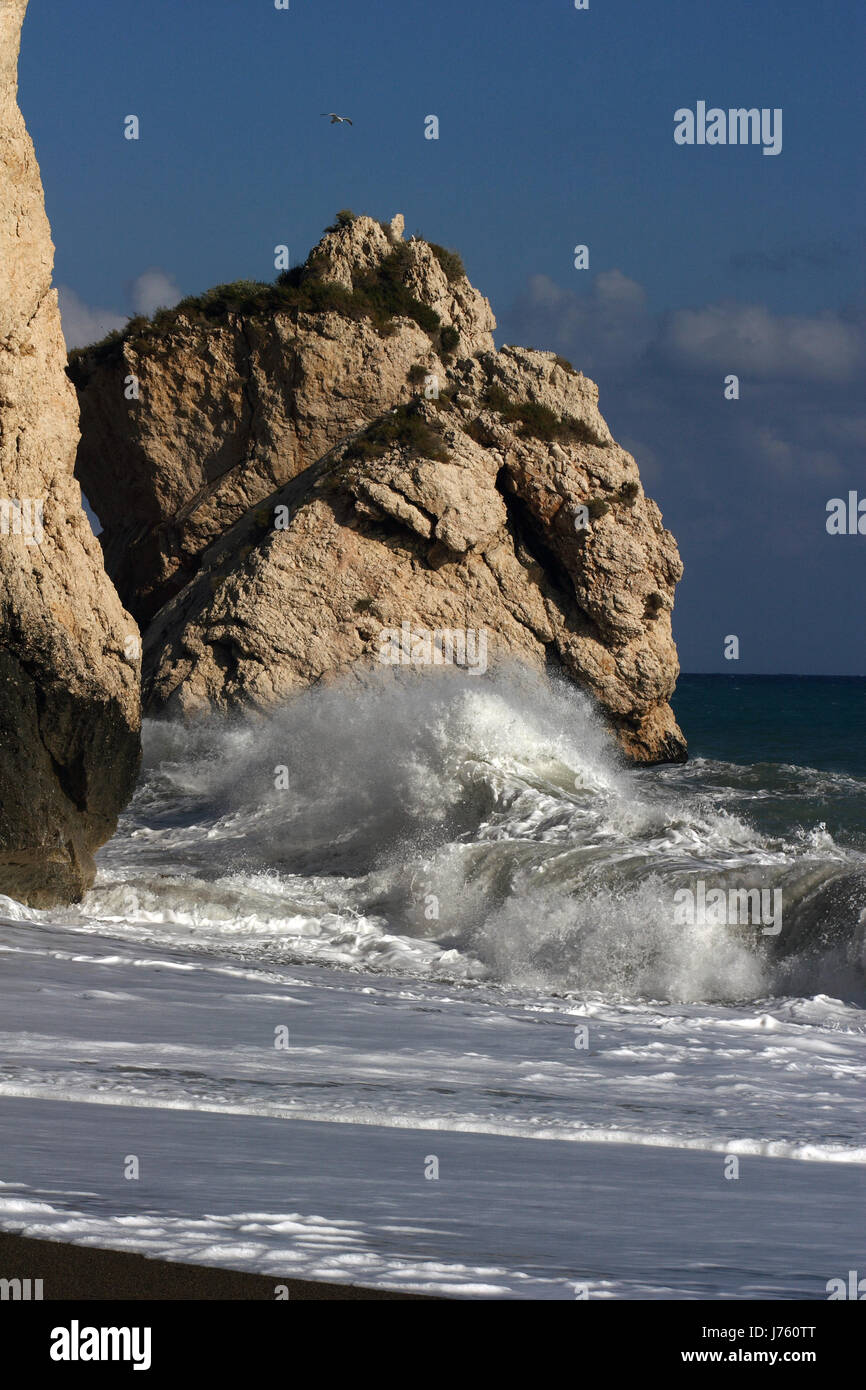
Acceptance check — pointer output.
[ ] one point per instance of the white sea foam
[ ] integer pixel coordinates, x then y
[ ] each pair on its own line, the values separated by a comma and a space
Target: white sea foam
467, 829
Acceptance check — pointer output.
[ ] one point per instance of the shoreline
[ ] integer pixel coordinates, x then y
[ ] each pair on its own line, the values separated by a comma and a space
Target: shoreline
84, 1273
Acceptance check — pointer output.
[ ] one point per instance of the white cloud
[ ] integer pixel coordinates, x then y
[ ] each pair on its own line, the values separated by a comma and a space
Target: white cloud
607, 326
749, 338
81, 324
153, 290
610, 328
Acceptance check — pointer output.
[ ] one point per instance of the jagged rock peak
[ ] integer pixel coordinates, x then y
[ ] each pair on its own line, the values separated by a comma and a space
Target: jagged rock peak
357, 248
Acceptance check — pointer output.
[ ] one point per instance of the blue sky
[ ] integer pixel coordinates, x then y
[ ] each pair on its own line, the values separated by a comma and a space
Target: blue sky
556, 128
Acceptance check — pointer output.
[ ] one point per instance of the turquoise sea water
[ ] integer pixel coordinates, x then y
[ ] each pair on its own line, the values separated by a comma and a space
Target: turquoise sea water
786, 753
812, 721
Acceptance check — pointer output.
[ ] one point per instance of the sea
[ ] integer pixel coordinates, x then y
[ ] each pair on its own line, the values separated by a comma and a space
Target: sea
420, 985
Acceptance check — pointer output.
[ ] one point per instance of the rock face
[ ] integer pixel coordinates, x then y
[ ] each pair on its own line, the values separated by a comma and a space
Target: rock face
295, 484
232, 406
69, 698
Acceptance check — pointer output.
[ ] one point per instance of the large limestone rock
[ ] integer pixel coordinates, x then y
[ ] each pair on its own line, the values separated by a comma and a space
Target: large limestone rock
288, 487
69, 696
475, 533
229, 409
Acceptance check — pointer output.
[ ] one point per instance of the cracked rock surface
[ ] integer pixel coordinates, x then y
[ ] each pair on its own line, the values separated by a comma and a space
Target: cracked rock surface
69, 694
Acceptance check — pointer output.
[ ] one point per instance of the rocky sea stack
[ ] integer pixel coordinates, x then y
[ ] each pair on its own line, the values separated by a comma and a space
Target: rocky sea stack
286, 472
69, 680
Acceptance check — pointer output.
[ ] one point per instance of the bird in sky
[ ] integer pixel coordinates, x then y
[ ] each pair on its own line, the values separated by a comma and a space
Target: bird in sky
337, 120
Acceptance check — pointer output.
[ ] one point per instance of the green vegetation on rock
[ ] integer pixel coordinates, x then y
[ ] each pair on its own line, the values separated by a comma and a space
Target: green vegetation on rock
537, 421
450, 261
449, 339
380, 295
404, 428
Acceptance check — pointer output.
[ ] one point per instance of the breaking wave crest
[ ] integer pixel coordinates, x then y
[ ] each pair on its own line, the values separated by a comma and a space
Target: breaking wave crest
479, 829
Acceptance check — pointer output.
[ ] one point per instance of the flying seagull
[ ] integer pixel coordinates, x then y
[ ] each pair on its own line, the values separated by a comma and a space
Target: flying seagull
337, 120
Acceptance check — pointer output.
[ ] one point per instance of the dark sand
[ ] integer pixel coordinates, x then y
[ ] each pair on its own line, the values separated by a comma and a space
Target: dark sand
81, 1272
